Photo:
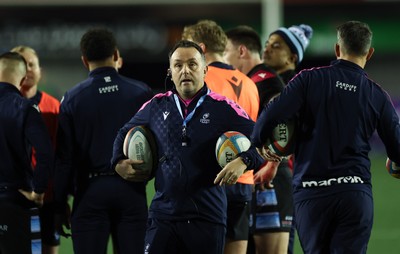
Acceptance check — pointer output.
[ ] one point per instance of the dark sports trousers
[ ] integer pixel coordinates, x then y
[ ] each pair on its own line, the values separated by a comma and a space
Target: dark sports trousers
109, 205
238, 220
182, 237
19, 225
336, 224
47, 225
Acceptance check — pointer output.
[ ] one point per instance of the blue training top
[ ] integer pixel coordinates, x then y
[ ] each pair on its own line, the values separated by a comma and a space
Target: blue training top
184, 179
21, 129
338, 109
91, 113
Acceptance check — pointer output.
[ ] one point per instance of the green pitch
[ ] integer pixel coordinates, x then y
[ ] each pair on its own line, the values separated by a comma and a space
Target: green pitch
385, 236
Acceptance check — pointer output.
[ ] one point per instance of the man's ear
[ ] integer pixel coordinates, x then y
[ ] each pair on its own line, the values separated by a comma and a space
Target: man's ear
85, 62
116, 55
337, 50
21, 82
242, 50
294, 58
203, 47
370, 53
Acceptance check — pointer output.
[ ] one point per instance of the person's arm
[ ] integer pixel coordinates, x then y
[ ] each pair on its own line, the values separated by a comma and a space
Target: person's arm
389, 130
63, 175
281, 109
64, 158
39, 139
247, 160
124, 166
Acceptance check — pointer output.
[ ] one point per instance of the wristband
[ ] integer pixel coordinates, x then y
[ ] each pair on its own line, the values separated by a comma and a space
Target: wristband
246, 160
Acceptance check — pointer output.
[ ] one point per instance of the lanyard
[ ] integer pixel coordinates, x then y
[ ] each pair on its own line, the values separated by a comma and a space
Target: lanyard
189, 116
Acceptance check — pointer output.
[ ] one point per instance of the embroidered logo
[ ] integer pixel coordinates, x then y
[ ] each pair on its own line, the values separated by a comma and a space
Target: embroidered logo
205, 119
36, 107
165, 115
237, 88
262, 75
107, 79
346, 87
333, 181
108, 89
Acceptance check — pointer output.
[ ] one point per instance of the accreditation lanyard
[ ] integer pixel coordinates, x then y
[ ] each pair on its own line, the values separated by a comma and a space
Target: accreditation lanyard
189, 116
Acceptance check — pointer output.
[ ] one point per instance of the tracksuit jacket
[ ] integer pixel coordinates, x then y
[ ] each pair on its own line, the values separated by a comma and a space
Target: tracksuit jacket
91, 113
339, 108
21, 128
185, 174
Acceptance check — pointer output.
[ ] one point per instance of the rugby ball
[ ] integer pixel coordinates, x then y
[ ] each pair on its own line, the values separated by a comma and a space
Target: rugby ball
281, 140
392, 168
229, 145
139, 144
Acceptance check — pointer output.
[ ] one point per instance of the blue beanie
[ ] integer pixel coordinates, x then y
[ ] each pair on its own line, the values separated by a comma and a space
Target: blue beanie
297, 38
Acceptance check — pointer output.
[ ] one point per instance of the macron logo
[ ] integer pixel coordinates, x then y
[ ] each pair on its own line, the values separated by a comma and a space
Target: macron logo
262, 75
333, 181
165, 115
237, 88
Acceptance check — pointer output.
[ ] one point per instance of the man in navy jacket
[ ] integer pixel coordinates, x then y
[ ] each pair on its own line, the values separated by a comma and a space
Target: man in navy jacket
90, 115
338, 109
188, 211
21, 188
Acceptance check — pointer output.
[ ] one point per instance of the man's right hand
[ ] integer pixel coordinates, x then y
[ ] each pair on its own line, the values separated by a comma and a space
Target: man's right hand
63, 220
126, 169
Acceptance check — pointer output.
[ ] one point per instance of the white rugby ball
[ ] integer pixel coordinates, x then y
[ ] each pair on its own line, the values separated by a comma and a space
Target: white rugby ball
281, 140
139, 144
228, 145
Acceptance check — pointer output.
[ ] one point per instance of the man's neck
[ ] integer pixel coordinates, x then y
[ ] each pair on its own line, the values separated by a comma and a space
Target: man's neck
249, 65
357, 60
285, 69
109, 62
213, 57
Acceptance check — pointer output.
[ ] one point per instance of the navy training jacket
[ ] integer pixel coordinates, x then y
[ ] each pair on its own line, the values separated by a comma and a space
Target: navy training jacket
21, 128
339, 108
185, 175
91, 113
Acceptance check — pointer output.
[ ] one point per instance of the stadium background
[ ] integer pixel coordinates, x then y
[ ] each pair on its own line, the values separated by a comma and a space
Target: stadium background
146, 29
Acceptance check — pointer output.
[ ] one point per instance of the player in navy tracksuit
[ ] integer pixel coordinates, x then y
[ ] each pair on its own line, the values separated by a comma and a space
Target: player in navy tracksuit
90, 116
188, 211
21, 128
338, 108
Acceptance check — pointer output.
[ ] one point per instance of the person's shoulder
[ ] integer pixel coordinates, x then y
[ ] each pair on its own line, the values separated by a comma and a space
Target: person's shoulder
218, 98
161, 97
51, 99
225, 104
82, 85
135, 83
48, 103
262, 71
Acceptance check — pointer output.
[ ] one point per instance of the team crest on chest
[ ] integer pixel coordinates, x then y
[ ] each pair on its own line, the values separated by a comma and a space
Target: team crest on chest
205, 119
